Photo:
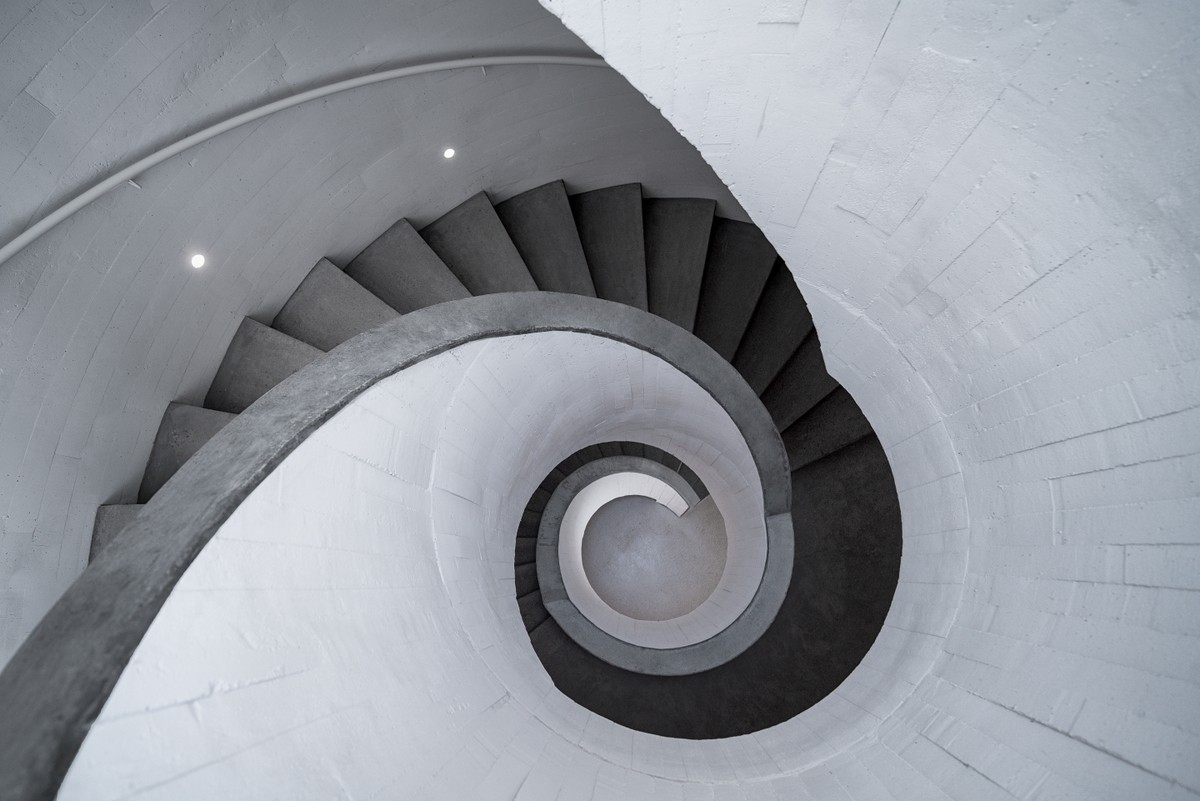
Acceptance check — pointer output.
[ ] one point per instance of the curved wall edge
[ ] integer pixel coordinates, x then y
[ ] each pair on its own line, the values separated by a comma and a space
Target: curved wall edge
60, 677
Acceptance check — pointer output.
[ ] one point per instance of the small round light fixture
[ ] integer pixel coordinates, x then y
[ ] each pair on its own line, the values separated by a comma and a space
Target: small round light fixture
448, 153
198, 260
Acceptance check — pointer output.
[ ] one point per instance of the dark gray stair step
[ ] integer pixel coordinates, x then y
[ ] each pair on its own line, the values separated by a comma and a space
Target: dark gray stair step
609, 221
181, 432
257, 359
739, 261
110, 519
851, 505
834, 423
780, 323
661, 456
403, 271
666, 459
472, 242
571, 463
549, 483
553, 479
526, 579
693, 481
526, 551
657, 454
539, 499
611, 449
533, 611
330, 307
638, 449
581, 457
541, 225
676, 232
800, 385
552, 644
591, 453
528, 527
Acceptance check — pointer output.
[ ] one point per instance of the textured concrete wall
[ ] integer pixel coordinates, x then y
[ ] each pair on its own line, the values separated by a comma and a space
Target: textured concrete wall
990, 208
352, 627
102, 322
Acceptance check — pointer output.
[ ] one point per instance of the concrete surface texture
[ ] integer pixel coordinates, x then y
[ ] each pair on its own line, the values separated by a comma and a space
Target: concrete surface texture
180, 434
650, 564
57, 682
407, 615
990, 210
110, 520
103, 322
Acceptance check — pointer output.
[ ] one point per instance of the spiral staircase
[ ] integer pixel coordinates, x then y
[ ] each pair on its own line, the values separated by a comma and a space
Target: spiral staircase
715, 277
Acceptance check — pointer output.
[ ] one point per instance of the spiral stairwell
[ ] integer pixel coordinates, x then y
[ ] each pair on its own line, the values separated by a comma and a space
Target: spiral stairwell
717, 278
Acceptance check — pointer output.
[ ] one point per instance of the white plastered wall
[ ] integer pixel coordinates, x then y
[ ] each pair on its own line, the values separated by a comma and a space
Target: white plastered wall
352, 630
990, 208
102, 321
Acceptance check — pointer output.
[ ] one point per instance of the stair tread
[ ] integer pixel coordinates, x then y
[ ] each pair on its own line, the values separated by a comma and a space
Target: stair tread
330, 307
851, 509
611, 449
779, 324
526, 578
800, 385
525, 550
533, 611
550, 642
110, 520
402, 270
182, 431
832, 424
527, 529
739, 261
676, 231
257, 359
472, 242
609, 222
542, 228
538, 500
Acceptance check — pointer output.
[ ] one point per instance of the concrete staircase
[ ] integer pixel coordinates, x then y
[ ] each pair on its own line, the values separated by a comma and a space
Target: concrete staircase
719, 279
529, 595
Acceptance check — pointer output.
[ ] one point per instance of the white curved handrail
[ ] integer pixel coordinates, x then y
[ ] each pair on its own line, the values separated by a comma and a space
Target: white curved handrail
26, 237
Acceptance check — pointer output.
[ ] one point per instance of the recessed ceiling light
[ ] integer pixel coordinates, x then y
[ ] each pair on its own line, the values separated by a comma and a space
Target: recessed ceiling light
448, 153
198, 260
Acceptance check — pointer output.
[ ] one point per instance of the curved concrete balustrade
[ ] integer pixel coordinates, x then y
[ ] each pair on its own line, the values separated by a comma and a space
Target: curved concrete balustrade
643, 478
57, 682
